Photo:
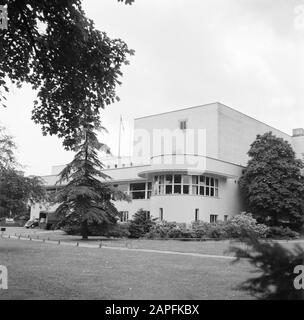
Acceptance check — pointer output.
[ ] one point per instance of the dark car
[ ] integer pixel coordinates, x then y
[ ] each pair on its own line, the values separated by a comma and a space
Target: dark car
32, 223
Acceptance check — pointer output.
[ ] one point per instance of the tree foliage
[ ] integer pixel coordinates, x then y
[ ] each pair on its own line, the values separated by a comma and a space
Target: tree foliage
55, 48
86, 199
275, 266
7, 149
17, 192
272, 183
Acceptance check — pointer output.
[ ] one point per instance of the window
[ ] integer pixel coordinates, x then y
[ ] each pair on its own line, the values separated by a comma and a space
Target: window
177, 184
168, 184
196, 216
161, 214
141, 190
183, 124
213, 218
147, 214
138, 190
186, 184
149, 190
226, 217
124, 216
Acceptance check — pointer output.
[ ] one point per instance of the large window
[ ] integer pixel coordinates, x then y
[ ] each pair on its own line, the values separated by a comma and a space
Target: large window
186, 184
141, 190
138, 190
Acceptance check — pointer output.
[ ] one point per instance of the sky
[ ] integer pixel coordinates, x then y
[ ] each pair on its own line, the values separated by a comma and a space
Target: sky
247, 54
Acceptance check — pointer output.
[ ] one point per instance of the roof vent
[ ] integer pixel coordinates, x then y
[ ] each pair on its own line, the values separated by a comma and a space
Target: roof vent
298, 132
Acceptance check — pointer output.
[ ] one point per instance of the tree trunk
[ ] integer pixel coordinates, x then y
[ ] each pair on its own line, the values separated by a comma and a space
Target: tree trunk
84, 229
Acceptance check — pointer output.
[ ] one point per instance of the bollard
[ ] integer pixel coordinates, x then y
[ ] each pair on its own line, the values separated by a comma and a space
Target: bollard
77, 244
30, 238
58, 241
100, 244
43, 240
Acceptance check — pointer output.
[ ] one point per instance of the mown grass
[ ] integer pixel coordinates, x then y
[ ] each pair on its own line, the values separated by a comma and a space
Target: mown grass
46, 271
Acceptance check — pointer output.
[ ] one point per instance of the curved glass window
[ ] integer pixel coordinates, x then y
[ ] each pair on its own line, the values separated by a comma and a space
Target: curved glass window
185, 184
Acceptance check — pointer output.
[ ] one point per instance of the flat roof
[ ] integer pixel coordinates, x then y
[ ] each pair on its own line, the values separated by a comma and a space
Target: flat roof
208, 104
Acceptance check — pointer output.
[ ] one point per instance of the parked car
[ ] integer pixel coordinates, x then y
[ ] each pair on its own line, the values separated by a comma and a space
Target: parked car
32, 223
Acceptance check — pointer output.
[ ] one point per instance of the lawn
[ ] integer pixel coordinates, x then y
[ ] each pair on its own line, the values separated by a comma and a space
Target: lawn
47, 271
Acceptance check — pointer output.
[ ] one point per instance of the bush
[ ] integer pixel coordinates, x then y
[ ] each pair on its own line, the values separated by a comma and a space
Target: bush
141, 224
243, 224
282, 232
166, 230
120, 230
205, 230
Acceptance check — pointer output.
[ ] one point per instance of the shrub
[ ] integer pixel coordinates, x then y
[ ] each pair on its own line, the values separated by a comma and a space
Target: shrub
282, 232
241, 225
140, 224
205, 230
170, 230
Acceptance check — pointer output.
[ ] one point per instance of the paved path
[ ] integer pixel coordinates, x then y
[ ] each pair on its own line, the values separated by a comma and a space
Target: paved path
87, 245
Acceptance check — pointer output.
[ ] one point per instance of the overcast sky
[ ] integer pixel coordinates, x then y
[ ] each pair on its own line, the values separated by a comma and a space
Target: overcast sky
247, 54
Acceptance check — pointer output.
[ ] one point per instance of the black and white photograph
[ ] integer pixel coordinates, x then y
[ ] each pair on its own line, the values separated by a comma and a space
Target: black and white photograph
151, 153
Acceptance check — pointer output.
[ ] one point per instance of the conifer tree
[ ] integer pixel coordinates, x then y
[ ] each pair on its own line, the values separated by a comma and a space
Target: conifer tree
86, 198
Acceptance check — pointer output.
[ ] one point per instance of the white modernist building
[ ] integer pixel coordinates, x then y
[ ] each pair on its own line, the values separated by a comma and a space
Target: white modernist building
185, 165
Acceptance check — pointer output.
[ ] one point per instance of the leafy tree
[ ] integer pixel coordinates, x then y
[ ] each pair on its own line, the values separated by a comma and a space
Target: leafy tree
55, 48
141, 224
17, 192
7, 148
276, 268
86, 198
272, 183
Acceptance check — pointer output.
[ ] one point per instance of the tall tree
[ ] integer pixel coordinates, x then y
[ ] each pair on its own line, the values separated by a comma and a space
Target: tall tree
87, 197
272, 182
55, 48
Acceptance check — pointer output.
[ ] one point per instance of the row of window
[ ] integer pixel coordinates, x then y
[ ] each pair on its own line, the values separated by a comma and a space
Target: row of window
173, 184
185, 184
124, 216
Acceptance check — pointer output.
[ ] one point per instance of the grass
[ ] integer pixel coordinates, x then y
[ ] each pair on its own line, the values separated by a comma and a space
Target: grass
202, 247
46, 271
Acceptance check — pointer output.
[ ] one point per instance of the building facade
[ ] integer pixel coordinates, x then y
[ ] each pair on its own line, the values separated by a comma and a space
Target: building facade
185, 165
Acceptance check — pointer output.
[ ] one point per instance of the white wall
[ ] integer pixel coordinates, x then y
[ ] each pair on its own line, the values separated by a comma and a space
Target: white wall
236, 133
181, 208
201, 117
